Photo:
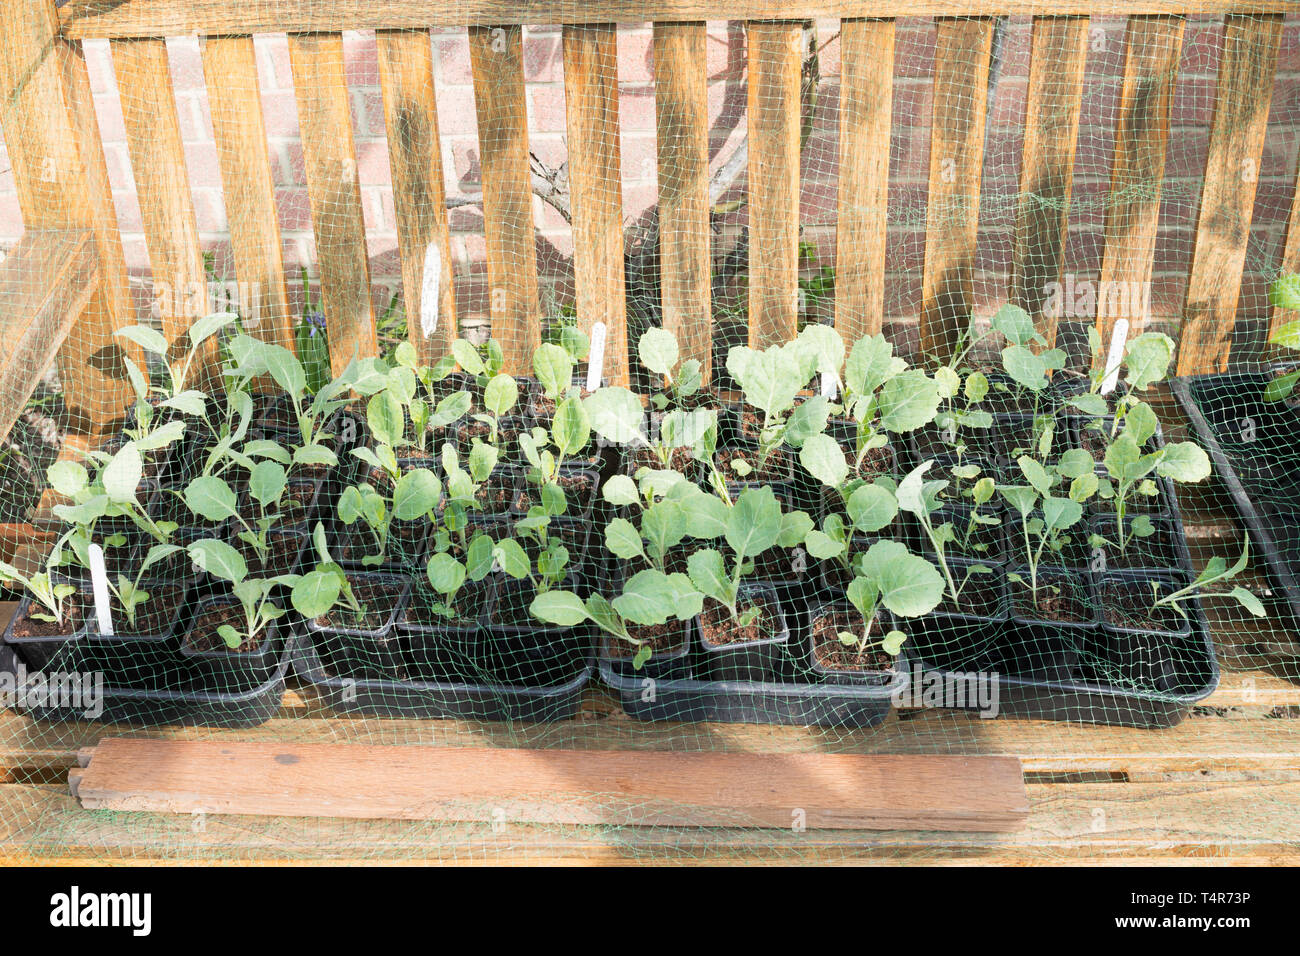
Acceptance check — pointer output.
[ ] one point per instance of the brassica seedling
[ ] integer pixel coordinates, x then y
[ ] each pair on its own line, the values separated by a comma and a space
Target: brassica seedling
890, 575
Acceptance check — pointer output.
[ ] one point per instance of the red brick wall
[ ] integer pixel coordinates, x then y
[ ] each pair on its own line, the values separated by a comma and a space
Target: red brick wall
909, 154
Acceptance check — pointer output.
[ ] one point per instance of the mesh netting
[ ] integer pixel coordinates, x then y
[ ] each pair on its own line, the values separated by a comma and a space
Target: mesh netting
792, 387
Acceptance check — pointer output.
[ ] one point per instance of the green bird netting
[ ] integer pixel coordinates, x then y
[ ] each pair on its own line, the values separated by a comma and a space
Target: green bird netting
839, 386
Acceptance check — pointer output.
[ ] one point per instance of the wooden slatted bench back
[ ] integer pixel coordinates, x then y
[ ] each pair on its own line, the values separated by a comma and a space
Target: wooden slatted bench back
53, 140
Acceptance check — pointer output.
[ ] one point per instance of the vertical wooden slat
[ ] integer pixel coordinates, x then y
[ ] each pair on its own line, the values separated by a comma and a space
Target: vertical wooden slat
775, 61
1141, 135
52, 138
596, 186
496, 55
171, 233
961, 76
682, 132
866, 115
1058, 55
419, 193
230, 66
1246, 70
334, 190
1290, 256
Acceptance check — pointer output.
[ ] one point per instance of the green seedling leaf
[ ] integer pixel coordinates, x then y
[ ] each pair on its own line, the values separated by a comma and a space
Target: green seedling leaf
615, 414
1184, 461
210, 497
657, 349
908, 401
218, 559
1147, 360
121, 476
316, 592
823, 458
562, 608
416, 494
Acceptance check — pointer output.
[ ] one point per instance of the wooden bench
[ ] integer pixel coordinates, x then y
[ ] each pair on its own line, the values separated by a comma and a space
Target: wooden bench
1223, 785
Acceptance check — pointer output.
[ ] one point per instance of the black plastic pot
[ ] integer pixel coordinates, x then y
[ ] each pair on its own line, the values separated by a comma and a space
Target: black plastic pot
364, 652
671, 663
1149, 657
880, 625
41, 652
1252, 444
221, 669
140, 656
1042, 647
768, 659
1164, 550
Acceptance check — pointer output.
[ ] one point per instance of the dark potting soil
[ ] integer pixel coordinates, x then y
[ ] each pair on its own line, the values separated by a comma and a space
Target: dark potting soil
578, 489
496, 494
831, 654
467, 605
281, 554
679, 460
979, 595
376, 599
877, 461
1059, 600
204, 639
776, 468
507, 436
718, 627
155, 616
1128, 604
662, 639
28, 626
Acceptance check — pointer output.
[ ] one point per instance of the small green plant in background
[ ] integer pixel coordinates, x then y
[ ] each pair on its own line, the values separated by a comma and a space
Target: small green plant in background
1285, 294
890, 575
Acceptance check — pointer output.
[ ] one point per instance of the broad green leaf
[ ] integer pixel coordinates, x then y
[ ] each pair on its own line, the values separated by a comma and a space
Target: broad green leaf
1061, 513
151, 340
1015, 323
562, 608
1090, 403
754, 523
823, 458
218, 559
1285, 294
500, 394
386, 419
709, 575
872, 508
512, 558
553, 366
68, 478
1037, 475
1141, 423
571, 427
468, 357
1025, 368
910, 586
620, 490
977, 387
871, 363
616, 414
1148, 359
648, 598
210, 497
266, 482
657, 349
121, 476
822, 546
808, 419
908, 401
1249, 601
285, 368
416, 494
1184, 461
1075, 462
1288, 336
623, 540
316, 593
445, 573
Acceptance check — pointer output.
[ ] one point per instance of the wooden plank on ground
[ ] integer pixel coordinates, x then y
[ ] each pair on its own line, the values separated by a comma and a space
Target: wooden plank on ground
822, 791
171, 232
419, 192
496, 55
334, 190
596, 187
775, 62
100, 18
1152, 48
1247, 67
866, 117
45, 283
239, 130
682, 132
1055, 97
961, 78
52, 138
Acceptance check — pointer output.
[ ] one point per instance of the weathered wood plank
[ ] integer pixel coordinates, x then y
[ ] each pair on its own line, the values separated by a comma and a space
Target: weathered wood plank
775, 61
496, 55
1055, 97
866, 117
419, 192
334, 190
45, 283
171, 232
239, 130
1247, 67
831, 791
682, 129
1152, 48
596, 187
52, 138
100, 18
961, 76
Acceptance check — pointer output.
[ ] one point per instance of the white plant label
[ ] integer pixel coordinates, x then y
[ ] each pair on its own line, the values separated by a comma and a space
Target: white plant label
1118, 340
830, 387
99, 585
429, 289
596, 357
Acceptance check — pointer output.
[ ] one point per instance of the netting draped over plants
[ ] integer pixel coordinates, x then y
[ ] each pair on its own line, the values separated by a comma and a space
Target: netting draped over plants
838, 385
